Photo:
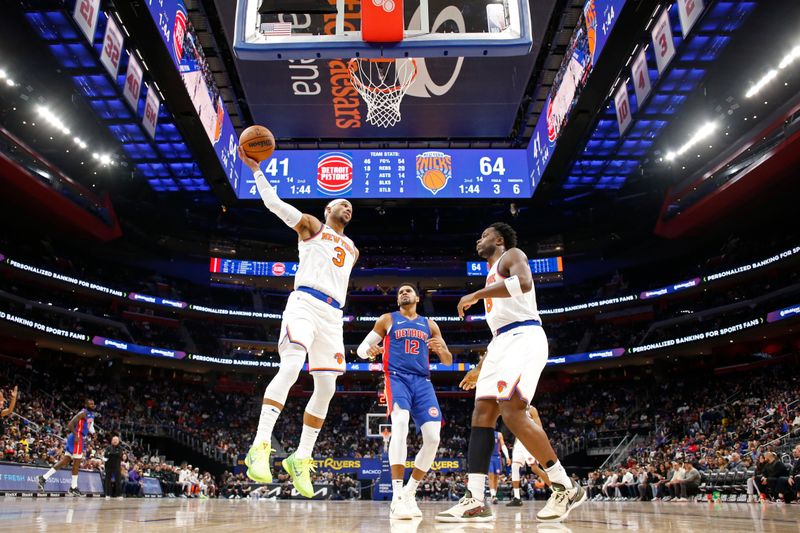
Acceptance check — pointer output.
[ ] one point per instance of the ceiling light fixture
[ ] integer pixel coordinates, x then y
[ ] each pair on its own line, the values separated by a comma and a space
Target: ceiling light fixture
703, 132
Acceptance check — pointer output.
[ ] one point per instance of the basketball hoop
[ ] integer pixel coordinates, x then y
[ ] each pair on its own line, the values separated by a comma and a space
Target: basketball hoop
382, 83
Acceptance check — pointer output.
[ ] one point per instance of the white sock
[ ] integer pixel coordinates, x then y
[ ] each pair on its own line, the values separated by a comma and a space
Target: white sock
269, 415
516, 493
307, 439
74, 484
492, 492
411, 486
397, 488
476, 484
49, 473
557, 474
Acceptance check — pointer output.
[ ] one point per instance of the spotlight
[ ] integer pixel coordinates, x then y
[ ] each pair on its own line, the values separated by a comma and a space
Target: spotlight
768, 77
789, 58
704, 131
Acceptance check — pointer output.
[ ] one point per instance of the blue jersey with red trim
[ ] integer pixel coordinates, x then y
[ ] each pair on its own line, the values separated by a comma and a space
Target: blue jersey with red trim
83, 425
497, 449
405, 347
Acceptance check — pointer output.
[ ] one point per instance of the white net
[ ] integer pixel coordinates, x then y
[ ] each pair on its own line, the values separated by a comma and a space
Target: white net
382, 83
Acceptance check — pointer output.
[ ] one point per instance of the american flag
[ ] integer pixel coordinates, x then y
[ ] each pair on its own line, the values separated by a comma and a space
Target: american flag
276, 28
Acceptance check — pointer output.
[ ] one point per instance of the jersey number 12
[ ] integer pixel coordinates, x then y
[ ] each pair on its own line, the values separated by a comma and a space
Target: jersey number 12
412, 347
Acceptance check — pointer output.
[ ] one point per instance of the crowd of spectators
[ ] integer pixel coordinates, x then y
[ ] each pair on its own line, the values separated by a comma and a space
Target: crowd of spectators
710, 422
726, 424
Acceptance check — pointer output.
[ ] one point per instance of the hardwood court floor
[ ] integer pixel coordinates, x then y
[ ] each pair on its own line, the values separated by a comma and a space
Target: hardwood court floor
90, 515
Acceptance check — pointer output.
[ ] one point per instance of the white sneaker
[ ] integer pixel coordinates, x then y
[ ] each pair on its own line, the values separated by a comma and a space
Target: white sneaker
411, 502
468, 509
561, 503
399, 509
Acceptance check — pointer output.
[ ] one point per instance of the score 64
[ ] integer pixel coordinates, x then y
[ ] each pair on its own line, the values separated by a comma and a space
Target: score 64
488, 167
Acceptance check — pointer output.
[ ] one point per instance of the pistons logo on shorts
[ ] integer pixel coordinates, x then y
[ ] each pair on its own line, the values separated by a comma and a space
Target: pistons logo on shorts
501, 385
434, 412
339, 358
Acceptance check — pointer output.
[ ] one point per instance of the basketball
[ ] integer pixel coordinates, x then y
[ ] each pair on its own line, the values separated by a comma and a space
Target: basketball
257, 142
434, 179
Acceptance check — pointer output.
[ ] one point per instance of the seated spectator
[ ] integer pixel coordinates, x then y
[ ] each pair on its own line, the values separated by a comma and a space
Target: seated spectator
673, 485
690, 483
793, 494
643, 483
774, 480
134, 485
608, 485
630, 480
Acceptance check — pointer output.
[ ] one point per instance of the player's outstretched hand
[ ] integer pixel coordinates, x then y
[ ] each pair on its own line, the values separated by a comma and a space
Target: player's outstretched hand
249, 161
470, 379
465, 303
14, 392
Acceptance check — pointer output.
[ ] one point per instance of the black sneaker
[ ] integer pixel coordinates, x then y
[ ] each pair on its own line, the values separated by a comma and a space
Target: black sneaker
75, 492
515, 502
41, 483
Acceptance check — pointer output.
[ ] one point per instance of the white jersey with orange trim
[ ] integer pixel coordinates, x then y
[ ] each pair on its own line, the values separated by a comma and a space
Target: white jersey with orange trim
503, 311
326, 260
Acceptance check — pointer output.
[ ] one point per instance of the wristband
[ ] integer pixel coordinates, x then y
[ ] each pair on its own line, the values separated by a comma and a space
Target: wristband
513, 286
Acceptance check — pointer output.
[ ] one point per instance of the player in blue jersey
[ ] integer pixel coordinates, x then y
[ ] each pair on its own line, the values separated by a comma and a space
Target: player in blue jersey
80, 427
408, 339
496, 464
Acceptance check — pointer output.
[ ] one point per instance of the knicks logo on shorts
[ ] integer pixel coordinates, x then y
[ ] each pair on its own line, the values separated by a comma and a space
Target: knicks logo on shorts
339, 358
501, 385
434, 412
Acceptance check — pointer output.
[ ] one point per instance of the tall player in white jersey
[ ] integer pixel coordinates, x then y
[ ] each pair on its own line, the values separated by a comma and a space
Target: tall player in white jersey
506, 378
312, 324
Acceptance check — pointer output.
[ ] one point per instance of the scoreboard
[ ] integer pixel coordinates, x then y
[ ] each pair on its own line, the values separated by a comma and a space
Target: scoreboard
424, 173
252, 268
547, 265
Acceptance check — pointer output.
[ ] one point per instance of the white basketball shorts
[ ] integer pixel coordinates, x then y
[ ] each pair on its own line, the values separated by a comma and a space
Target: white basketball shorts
316, 327
521, 455
513, 364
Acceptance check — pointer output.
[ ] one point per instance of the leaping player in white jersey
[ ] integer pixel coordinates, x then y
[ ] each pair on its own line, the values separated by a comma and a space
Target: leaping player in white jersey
312, 324
506, 378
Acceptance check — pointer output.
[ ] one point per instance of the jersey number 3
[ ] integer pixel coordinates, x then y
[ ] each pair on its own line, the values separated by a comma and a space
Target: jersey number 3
339, 259
412, 347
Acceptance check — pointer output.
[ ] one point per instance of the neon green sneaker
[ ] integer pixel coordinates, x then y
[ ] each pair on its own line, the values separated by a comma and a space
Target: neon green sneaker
257, 462
300, 472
